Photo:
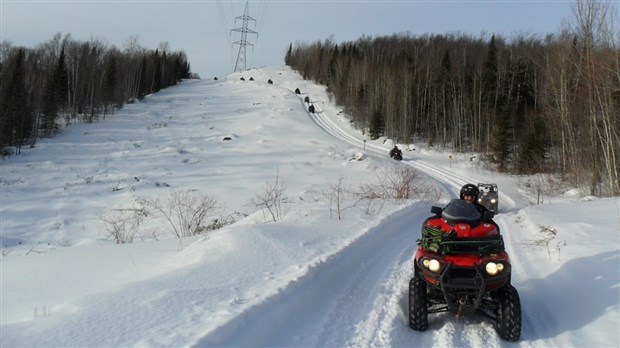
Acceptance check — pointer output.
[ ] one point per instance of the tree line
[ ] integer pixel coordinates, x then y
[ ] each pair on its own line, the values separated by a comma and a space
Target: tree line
531, 104
64, 81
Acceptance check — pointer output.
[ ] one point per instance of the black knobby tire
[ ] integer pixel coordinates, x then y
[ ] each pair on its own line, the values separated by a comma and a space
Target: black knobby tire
509, 314
418, 304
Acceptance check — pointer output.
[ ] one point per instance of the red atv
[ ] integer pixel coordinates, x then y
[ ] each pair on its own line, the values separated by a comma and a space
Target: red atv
461, 267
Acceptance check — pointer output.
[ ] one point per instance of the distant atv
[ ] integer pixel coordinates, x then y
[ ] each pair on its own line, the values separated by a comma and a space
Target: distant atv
489, 196
397, 156
396, 153
461, 267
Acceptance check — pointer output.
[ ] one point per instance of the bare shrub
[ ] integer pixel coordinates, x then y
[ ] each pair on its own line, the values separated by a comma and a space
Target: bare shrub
185, 211
369, 199
336, 195
398, 182
270, 199
222, 221
546, 236
122, 224
544, 185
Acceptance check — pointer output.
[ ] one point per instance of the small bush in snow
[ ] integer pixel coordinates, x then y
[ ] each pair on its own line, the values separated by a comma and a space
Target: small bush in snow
398, 182
186, 212
220, 222
546, 236
122, 224
270, 200
337, 198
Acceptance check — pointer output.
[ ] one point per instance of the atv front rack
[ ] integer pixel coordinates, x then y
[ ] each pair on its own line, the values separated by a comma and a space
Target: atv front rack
481, 246
437, 241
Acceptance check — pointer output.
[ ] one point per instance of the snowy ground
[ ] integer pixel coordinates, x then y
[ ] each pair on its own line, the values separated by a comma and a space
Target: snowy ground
309, 279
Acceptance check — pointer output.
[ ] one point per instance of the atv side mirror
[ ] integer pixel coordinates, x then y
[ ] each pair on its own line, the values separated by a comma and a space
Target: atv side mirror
436, 210
488, 215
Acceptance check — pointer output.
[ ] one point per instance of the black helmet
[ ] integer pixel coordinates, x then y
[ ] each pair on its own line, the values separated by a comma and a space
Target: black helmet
470, 189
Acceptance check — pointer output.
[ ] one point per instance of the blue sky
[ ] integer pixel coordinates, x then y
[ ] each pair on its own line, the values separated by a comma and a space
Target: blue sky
203, 28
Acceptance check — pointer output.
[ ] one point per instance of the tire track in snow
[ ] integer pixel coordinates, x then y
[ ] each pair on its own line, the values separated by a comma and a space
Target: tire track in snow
363, 274
444, 179
385, 329
371, 307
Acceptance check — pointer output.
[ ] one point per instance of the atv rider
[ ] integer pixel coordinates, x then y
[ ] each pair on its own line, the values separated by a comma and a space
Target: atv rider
470, 193
396, 153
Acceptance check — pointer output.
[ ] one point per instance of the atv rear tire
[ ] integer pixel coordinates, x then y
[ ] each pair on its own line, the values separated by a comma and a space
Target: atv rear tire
418, 304
509, 314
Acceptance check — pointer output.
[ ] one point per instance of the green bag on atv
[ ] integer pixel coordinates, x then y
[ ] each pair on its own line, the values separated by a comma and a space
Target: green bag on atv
433, 239
441, 242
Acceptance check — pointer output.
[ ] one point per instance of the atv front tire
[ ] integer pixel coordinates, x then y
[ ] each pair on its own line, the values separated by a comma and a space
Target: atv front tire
509, 314
418, 304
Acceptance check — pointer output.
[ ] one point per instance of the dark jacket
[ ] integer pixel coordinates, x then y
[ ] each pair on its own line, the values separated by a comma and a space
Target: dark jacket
395, 151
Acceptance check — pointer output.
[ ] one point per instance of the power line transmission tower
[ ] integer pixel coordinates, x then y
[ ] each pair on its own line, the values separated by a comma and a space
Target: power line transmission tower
240, 64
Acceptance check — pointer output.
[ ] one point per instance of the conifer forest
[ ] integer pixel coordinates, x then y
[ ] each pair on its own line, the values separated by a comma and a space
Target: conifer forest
64, 81
528, 104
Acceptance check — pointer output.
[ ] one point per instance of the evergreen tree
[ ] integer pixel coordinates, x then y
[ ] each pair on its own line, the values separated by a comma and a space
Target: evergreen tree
332, 69
61, 82
143, 90
502, 144
49, 109
156, 72
17, 117
533, 150
446, 67
186, 70
289, 53
377, 125
110, 81
55, 97
489, 75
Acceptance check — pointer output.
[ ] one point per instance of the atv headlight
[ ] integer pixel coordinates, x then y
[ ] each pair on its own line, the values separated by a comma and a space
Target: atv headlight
431, 264
492, 268
493, 200
434, 265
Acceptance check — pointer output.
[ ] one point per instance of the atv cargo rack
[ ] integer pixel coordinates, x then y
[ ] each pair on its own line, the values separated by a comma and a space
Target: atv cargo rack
438, 241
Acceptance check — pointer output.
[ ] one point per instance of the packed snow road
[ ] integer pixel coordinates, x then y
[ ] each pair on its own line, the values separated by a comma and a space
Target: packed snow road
370, 278
368, 307
366, 276
308, 280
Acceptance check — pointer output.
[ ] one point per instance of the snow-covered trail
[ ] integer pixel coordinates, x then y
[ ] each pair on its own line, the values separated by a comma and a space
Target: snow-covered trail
308, 280
385, 327
368, 305
371, 276
364, 309
385, 323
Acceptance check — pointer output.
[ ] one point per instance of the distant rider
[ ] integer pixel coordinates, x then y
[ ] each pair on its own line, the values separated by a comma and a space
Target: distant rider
396, 153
